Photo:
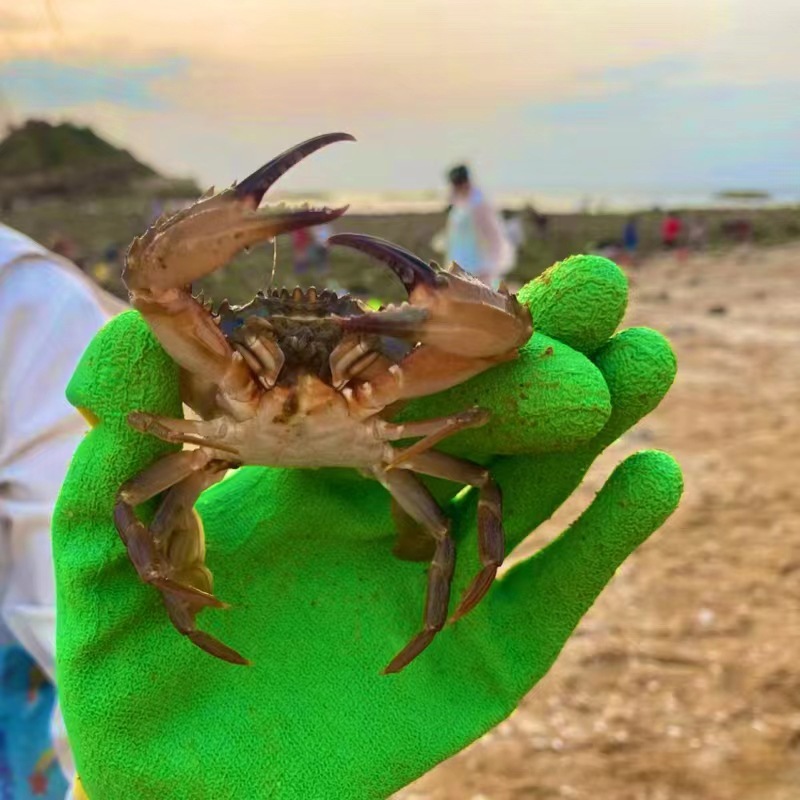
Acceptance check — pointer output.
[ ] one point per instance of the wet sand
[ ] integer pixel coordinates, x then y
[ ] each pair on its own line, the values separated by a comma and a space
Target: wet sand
682, 683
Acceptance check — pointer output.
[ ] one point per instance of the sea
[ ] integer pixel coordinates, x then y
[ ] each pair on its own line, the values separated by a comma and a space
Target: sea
555, 202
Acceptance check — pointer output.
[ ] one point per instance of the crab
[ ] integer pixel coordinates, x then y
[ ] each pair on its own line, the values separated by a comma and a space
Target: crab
306, 379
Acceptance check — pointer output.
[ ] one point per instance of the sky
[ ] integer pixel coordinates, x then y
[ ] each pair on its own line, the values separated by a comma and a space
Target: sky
575, 95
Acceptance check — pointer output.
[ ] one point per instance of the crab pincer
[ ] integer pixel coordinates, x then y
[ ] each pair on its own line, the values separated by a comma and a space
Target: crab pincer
464, 316
194, 242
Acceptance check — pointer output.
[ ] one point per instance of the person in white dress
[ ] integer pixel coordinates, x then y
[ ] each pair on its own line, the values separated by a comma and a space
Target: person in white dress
475, 236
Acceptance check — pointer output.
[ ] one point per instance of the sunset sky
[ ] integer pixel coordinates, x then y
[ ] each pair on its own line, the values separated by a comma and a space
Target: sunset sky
584, 95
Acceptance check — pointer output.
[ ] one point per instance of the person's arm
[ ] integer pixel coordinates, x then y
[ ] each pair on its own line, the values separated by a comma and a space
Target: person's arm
47, 318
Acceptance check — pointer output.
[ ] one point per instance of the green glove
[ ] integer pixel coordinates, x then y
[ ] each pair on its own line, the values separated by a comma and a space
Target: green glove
318, 602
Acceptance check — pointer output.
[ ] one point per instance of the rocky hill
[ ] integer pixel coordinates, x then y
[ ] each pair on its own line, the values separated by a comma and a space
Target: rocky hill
38, 159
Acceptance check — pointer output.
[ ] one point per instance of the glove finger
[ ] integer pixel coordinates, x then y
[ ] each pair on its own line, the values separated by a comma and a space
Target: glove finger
99, 594
639, 367
540, 601
123, 369
579, 301
550, 398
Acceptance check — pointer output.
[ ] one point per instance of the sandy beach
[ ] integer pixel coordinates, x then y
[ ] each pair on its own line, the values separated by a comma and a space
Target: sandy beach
682, 681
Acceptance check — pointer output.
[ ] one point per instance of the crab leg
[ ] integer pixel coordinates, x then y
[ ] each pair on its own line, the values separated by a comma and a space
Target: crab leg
413, 543
179, 502
142, 549
412, 540
262, 353
170, 554
188, 333
491, 540
166, 472
433, 431
205, 433
186, 553
419, 504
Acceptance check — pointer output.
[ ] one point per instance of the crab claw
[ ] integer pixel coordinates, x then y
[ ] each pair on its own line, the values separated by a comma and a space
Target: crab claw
254, 187
464, 316
195, 241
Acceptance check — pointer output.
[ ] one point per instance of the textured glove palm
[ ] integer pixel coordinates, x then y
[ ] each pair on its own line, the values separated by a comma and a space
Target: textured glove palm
319, 603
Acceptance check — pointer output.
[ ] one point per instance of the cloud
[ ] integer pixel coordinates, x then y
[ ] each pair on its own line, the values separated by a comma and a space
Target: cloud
686, 92
654, 130
47, 84
15, 22
425, 58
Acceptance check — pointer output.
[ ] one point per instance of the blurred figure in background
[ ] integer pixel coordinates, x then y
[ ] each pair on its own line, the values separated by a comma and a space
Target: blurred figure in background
310, 250
671, 229
109, 266
301, 250
541, 222
631, 239
49, 311
319, 249
67, 247
697, 235
738, 231
515, 233
476, 239
322, 233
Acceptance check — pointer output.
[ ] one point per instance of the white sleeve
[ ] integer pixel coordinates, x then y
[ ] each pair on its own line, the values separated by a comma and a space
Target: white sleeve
47, 318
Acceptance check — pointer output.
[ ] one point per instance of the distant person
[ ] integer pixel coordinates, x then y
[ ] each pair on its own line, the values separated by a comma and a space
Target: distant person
321, 233
476, 239
697, 234
671, 229
67, 247
515, 233
310, 251
631, 239
541, 222
49, 311
318, 249
301, 250
738, 231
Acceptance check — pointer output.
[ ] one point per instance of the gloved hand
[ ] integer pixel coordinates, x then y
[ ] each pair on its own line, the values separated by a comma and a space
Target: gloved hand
318, 602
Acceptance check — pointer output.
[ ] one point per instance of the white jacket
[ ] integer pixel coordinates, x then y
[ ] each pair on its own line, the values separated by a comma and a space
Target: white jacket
49, 312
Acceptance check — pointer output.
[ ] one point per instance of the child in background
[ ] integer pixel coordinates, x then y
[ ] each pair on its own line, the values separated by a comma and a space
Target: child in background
630, 240
671, 229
